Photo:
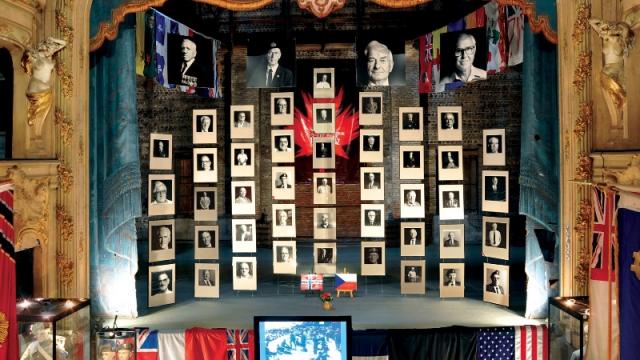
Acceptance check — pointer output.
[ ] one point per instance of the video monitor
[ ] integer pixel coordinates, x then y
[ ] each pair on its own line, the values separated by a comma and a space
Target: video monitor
302, 337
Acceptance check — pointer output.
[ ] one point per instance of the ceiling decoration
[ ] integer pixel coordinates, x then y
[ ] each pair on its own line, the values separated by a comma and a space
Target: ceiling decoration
321, 8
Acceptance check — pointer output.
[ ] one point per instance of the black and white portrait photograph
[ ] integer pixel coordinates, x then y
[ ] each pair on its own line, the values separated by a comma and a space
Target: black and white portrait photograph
412, 239
324, 192
324, 258
493, 153
372, 254
411, 162
371, 147
190, 60
412, 277
243, 202
284, 257
411, 124
282, 146
324, 223
464, 57
495, 237
242, 122
372, 183
245, 275
242, 164
161, 240
324, 117
243, 234
284, 220
161, 156
205, 165
496, 284
162, 280
204, 203
372, 217
449, 123
283, 181
270, 63
370, 108
206, 242
450, 162
324, 83
381, 61
451, 280
412, 206
207, 281
451, 241
205, 126
495, 191
282, 108
451, 201
324, 156
161, 191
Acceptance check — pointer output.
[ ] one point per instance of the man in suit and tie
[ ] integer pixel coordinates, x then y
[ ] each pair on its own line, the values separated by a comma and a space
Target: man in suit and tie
270, 73
325, 255
187, 71
205, 278
495, 191
495, 237
450, 240
451, 201
372, 219
284, 181
451, 278
413, 237
205, 240
371, 144
324, 221
371, 182
494, 286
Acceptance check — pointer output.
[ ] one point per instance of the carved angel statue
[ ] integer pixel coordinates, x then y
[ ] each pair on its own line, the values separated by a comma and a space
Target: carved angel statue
38, 63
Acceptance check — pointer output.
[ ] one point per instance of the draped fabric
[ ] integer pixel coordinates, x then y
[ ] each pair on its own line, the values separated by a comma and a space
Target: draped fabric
101, 13
455, 343
114, 173
539, 162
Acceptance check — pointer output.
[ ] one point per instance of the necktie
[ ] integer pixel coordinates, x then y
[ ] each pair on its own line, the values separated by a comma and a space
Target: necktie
184, 67
269, 77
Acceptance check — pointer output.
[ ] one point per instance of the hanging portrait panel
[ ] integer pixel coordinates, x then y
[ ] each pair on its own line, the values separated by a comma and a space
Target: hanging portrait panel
245, 273
282, 108
284, 220
271, 62
372, 217
324, 117
411, 124
372, 255
205, 165
412, 275
451, 201
162, 240
451, 280
411, 162
495, 237
242, 159
207, 281
162, 282
282, 146
493, 147
450, 163
324, 83
324, 156
325, 257
412, 206
243, 235
324, 223
243, 193
204, 203
381, 60
372, 183
284, 257
160, 154
206, 242
283, 181
412, 239
204, 125
449, 123
371, 148
370, 108
495, 191
496, 284
452, 241
161, 194
242, 122
324, 192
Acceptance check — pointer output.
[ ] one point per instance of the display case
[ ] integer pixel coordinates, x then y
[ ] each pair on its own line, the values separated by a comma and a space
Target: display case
116, 343
54, 329
568, 327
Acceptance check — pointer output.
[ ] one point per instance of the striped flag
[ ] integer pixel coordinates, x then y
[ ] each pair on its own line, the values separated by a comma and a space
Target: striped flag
146, 344
527, 342
8, 318
240, 344
347, 282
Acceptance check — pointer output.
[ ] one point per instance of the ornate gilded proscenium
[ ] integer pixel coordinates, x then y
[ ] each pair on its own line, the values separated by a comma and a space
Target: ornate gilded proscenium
321, 8
628, 176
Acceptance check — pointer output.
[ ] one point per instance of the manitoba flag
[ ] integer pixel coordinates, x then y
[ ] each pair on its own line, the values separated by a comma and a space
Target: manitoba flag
347, 282
311, 282
8, 319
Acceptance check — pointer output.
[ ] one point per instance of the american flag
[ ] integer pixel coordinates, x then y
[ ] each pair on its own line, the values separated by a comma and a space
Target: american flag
240, 344
519, 343
311, 282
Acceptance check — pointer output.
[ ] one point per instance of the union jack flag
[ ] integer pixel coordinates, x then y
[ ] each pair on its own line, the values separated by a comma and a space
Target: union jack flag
311, 282
603, 241
240, 344
147, 344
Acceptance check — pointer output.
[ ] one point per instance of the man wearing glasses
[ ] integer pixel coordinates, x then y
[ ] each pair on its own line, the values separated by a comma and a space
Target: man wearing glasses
464, 54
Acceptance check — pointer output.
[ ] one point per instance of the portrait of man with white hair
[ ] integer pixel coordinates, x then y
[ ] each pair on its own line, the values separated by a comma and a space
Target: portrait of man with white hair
381, 63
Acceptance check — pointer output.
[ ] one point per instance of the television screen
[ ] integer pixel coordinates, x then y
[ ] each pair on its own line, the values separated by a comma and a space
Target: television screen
302, 337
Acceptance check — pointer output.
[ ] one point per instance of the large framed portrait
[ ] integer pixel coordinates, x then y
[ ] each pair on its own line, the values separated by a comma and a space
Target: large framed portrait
242, 161
243, 234
244, 202
371, 147
324, 191
160, 154
207, 243
372, 216
325, 257
282, 143
457, 68
412, 239
162, 282
495, 191
324, 83
451, 202
411, 124
412, 201
282, 108
413, 273
207, 281
372, 255
284, 220
449, 123
451, 280
381, 61
324, 118
270, 62
411, 162
204, 203
245, 273
283, 182
205, 169
284, 257
161, 194
324, 156
370, 108
205, 130
242, 122
495, 237
450, 163
162, 240
496, 284
494, 151
451, 241
372, 183
324, 223
190, 60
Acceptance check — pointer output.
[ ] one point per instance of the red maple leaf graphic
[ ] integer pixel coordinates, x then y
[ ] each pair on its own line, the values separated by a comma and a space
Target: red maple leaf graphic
347, 125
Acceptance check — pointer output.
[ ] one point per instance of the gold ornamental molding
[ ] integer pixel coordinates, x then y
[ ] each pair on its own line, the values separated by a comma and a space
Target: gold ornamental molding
582, 71
31, 206
66, 269
66, 30
65, 125
4, 328
65, 177
584, 119
65, 77
582, 269
584, 168
321, 8
583, 219
581, 25
539, 24
398, 4
65, 223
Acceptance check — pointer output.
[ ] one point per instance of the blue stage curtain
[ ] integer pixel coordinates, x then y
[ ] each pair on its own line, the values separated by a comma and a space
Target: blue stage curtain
540, 161
115, 181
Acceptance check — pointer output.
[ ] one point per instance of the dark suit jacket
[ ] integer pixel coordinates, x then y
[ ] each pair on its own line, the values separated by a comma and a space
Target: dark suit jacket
495, 195
454, 243
196, 70
489, 288
282, 78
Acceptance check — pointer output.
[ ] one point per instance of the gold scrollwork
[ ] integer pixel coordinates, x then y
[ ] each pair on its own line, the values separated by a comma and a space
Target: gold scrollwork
321, 8
584, 169
4, 328
65, 177
583, 70
65, 125
65, 78
581, 25
65, 269
65, 223
582, 269
585, 116
583, 219
31, 207
65, 29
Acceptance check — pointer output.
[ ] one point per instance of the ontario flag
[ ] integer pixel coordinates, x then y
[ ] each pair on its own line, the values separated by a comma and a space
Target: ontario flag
8, 318
347, 282
311, 282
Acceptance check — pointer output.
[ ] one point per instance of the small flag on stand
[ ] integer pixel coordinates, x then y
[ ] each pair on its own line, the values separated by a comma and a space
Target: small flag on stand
311, 282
